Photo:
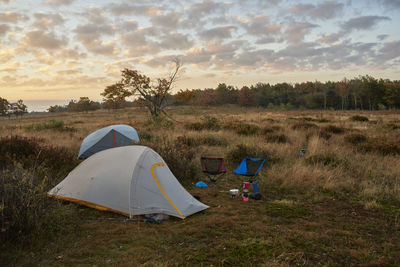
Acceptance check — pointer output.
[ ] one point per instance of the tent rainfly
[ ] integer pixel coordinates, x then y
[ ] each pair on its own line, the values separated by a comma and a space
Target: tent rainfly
130, 180
108, 137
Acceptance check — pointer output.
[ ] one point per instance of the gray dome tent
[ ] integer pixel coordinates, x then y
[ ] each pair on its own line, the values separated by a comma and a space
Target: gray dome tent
108, 137
130, 180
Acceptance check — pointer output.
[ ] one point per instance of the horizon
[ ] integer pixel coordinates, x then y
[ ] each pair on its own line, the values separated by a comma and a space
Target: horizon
63, 49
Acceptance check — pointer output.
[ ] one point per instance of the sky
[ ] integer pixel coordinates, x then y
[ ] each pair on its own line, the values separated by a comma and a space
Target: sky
56, 50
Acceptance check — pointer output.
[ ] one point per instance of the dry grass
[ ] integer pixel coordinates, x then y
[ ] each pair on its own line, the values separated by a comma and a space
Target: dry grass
340, 204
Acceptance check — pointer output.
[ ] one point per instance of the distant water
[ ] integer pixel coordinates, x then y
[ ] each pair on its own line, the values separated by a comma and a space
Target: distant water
43, 105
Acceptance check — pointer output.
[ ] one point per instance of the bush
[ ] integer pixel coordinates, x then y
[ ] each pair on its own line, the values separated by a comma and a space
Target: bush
203, 140
324, 159
28, 169
243, 128
24, 207
270, 129
302, 125
207, 123
392, 126
358, 118
50, 125
277, 138
381, 146
334, 129
145, 135
179, 158
239, 152
29, 152
355, 139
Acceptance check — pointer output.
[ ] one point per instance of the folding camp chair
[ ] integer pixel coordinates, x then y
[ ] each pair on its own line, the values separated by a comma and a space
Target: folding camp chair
250, 167
214, 168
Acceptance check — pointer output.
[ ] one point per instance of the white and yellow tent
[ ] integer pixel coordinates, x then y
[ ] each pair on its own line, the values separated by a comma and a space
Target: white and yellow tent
131, 180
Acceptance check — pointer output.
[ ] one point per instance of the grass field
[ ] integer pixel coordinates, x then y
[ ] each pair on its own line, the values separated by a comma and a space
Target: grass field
338, 205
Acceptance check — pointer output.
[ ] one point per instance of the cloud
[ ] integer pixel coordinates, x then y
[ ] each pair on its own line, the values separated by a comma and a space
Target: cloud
363, 23
297, 31
326, 10
389, 51
45, 21
46, 40
130, 25
261, 27
201, 12
170, 20
125, 9
70, 53
58, 2
176, 41
221, 32
391, 4
89, 32
382, 37
138, 45
330, 38
12, 17
6, 55
4, 28
96, 15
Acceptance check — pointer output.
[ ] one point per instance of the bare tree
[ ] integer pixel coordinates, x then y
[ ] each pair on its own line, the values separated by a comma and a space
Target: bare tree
154, 94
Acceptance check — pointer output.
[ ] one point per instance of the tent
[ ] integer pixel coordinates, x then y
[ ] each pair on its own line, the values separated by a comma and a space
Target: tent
108, 137
130, 180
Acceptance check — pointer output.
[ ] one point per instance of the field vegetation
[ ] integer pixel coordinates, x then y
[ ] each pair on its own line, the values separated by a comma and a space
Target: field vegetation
337, 205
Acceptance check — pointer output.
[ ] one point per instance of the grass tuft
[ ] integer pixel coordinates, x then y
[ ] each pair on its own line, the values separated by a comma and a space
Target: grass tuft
358, 118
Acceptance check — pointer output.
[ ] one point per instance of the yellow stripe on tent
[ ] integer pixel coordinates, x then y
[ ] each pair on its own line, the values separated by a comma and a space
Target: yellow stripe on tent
88, 204
162, 189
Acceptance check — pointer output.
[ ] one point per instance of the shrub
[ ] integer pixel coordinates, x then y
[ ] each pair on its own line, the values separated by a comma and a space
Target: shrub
243, 128
324, 159
355, 139
207, 123
50, 125
302, 125
381, 146
28, 169
203, 140
24, 204
324, 134
270, 129
277, 138
211, 123
194, 126
30, 152
358, 118
239, 152
392, 126
213, 141
145, 135
334, 129
187, 141
179, 158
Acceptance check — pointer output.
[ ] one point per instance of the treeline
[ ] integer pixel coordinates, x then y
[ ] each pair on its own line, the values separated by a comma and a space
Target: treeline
8, 109
84, 104
364, 92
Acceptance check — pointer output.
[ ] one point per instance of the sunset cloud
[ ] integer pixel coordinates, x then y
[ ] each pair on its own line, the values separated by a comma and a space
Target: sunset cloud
65, 44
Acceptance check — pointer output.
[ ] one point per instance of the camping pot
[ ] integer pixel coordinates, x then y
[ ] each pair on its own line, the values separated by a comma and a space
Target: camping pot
255, 187
234, 192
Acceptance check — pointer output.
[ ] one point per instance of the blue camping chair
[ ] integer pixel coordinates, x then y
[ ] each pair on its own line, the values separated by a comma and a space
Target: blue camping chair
250, 167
